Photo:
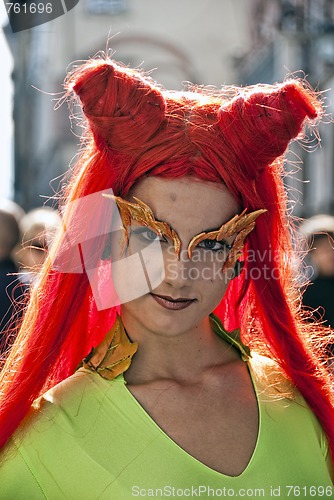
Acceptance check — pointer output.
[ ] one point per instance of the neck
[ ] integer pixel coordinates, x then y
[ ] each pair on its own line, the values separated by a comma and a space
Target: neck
183, 356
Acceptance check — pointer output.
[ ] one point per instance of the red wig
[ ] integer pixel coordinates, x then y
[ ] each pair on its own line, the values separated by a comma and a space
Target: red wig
134, 128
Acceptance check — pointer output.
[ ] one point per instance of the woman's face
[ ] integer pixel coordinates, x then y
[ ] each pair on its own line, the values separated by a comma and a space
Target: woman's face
189, 289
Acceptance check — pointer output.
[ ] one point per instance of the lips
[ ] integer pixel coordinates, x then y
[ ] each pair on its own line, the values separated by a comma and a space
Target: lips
171, 303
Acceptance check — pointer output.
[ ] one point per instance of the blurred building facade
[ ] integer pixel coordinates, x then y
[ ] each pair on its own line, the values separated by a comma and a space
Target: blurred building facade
288, 36
185, 41
207, 42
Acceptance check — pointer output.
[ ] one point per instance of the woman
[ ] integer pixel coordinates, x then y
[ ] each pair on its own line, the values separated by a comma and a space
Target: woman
176, 209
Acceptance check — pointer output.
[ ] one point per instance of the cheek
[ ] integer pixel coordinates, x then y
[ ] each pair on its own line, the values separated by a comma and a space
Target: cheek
212, 292
118, 244
214, 281
137, 268
210, 280
209, 271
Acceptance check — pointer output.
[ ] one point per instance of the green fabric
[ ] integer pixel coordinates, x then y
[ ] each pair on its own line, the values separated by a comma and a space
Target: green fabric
230, 337
92, 440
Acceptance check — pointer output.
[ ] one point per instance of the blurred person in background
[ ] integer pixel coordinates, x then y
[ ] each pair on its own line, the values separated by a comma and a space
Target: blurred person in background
10, 289
37, 228
319, 293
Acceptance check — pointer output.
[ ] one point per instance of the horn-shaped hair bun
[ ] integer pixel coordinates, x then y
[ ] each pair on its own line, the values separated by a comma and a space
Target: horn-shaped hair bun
258, 126
122, 106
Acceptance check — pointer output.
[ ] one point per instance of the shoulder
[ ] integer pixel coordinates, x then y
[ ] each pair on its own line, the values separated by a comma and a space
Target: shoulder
63, 438
278, 395
269, 377
70, 408
68, 414
82, 384
283, 406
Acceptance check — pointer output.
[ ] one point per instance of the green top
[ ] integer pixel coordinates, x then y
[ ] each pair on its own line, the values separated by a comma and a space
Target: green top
92, 440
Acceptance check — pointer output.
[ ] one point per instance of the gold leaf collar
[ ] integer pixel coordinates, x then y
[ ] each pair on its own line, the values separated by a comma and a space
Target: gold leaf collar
113, 355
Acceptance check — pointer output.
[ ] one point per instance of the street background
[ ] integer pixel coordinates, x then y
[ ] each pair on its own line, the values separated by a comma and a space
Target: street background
204, 41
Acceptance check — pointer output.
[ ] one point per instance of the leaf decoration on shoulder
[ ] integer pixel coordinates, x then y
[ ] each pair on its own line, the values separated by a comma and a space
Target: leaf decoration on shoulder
113, 355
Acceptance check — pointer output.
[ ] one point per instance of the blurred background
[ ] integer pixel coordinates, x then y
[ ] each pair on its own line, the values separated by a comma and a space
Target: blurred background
205, 42
211, 42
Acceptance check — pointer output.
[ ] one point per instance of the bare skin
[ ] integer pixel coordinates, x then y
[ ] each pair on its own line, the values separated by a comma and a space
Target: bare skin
193, 384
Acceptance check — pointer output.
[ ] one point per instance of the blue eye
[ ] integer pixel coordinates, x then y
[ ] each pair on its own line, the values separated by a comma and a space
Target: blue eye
214, 245
146, 234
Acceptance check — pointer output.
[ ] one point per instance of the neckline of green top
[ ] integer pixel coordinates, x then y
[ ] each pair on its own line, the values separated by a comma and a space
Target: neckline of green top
102, 358
232, 337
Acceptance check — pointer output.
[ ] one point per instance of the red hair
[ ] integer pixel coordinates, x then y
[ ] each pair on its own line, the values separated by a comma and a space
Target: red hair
134, 128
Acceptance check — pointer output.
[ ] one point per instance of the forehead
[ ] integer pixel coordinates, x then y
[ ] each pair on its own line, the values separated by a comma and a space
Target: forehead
189, 202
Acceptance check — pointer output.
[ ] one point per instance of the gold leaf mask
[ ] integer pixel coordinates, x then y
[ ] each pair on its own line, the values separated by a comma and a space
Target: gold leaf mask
142, 213
241, 225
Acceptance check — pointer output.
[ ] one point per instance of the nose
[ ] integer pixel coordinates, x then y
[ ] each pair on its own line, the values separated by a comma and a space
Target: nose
177, 269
